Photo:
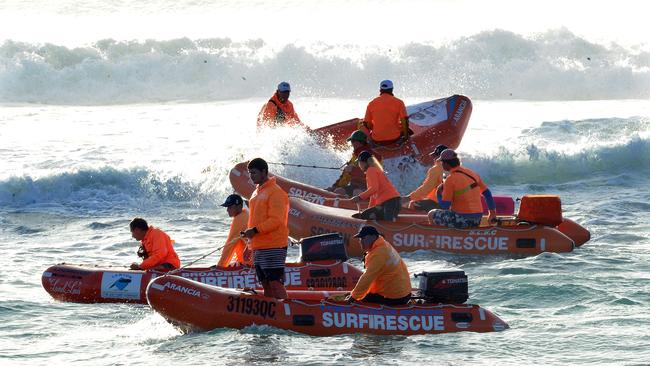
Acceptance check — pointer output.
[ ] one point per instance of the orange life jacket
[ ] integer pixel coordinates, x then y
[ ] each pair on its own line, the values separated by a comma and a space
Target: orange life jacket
463, 188
275, 113
384, 116
269, 214
356, 177
427, 190
386, 273
159, 248
235, 245
380, 189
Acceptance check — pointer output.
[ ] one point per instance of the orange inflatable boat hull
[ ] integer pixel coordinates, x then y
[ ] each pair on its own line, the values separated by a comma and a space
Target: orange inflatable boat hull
84, 284
413, 232
242, 184
194, 306
441, 121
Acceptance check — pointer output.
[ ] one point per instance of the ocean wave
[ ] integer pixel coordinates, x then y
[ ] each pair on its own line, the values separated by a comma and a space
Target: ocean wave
555, 153
534, 164
555, 65
615, 156
100, 189
588, 132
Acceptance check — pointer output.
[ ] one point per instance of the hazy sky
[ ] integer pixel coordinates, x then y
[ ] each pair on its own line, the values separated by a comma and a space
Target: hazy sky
334, 21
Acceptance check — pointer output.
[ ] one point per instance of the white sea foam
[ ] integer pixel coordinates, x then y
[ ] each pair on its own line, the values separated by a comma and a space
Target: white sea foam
619, 146
555, 65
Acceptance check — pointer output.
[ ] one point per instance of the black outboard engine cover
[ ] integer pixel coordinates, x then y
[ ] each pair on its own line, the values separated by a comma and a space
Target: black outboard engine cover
323, 247
448, 287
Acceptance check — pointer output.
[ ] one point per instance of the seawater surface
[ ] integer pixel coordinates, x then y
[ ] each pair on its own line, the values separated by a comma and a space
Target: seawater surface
73, 176
116, 109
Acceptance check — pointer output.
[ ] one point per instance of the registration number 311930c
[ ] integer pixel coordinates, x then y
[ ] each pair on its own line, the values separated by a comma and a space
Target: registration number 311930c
257, 307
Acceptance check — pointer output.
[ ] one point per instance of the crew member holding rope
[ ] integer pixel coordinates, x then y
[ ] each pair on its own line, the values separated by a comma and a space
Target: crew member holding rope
352, 180
267, 229
424, 198
385, 201
235, 247
156, 250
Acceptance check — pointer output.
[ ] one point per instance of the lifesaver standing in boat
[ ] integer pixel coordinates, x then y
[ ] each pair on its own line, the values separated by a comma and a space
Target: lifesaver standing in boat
267, 229
279, 111
157, 249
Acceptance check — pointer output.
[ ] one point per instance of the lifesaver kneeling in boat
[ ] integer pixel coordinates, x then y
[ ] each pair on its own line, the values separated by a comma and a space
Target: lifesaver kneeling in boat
424, 198
460, 196
384, 199
386, 278
156, 250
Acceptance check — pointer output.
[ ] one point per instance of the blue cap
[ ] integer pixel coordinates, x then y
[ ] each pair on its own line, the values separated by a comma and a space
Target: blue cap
385, 85
366, 230
364, 156
448, 154
438, 150
233, 199
284, 87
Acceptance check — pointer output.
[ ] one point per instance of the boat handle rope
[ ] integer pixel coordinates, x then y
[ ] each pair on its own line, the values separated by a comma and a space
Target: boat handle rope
307, 166
192, 262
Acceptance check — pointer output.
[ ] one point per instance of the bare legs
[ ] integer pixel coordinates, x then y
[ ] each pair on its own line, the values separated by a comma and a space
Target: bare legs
274, 289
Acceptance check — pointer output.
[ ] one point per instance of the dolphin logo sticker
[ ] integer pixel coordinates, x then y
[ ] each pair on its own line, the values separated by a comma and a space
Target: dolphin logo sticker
121, 283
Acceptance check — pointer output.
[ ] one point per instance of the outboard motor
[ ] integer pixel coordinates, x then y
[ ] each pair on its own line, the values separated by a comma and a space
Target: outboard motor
323, 247
447, 287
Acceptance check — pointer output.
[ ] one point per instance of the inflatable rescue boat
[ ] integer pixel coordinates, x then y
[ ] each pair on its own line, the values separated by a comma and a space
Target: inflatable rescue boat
529, 233
242, 184
86, 284
441, 121
194, 306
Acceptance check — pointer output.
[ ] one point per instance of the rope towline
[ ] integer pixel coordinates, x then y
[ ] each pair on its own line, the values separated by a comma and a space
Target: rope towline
306, 166
192, 262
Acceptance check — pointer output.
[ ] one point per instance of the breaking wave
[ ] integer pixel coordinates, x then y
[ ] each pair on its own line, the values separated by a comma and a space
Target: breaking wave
497, 64
99, 189
569, 151
603, 152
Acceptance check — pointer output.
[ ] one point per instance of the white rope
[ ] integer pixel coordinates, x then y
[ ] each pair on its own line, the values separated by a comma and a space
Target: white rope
194, 261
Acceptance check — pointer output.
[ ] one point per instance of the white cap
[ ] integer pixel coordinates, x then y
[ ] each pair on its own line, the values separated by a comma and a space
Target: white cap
284, 87
386, 84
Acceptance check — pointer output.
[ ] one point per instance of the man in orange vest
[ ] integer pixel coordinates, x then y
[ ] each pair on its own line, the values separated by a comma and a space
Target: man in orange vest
424, 197
267, 229
386, 278
386, 117
235, 247
157, 250
278, 111
460, 196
